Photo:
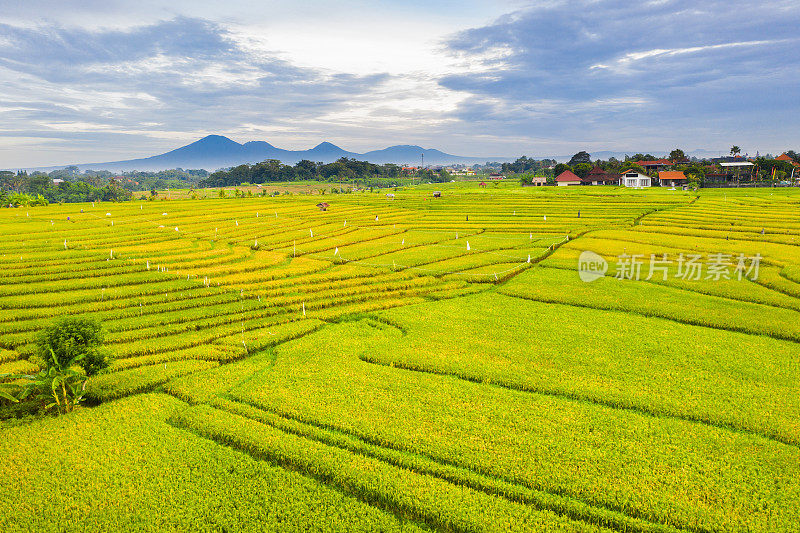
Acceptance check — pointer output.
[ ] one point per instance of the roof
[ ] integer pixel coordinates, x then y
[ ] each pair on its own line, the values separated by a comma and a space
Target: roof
598, 174
635, 172
662, 162
784, 157
737, 164
566, 176
671, 175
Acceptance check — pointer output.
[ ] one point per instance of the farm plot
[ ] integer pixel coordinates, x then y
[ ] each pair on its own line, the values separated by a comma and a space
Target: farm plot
414, 363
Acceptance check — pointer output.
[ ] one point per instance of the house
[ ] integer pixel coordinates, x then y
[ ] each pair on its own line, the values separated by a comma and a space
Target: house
632, 178
567, 178
598, 176
496, 176
672, 178
437, 194
323, 206
782, 157
656, 165
538, 181
58, 181
738, 170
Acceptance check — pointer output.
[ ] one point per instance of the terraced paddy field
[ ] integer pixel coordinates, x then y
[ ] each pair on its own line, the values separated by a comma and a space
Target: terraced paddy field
414, 363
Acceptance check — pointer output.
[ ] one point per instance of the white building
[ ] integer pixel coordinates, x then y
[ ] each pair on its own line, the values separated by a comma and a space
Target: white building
635, 179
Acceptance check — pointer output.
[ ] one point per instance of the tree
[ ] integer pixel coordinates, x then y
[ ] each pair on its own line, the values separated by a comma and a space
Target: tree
561, 167
582, 170
67, 343
677, 155
580, 157
735, 150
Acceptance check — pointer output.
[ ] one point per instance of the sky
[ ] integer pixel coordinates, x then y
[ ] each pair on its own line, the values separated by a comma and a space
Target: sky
108, 80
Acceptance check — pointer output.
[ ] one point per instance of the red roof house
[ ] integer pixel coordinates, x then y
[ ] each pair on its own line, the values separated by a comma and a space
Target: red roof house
671, 178
567, 178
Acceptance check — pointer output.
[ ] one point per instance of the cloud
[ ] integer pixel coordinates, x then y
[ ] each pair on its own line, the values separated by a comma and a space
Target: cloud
583, 68
182, 75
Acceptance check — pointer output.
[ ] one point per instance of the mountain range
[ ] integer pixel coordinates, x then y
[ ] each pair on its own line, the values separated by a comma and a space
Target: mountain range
216, 151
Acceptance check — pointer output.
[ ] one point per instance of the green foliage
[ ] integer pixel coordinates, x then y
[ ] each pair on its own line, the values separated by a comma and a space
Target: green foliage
561, 167
582, 169
580, 157
677, 155
65, 345
74, 340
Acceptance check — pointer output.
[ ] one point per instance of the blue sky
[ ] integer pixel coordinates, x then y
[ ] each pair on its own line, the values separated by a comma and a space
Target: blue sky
107, 80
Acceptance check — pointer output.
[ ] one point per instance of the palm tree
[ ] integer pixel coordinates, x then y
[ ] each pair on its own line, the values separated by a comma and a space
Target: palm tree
735, 150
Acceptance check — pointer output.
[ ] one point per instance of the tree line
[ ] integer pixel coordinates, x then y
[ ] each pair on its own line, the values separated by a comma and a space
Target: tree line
342, 170
22, 189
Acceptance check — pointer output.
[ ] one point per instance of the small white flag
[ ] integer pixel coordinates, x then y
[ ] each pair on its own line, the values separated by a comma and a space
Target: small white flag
65, 244
529, 258
530, 236
404, 242
237, 223
255, 245
495, 276
111, 253
256, 214
176, 228
515, 213
304, 309
456, 235
345, 224
376, 218
276, 214
140, 207
336, 252
545, 218
468, 246
148, 265
112, 222
312, 232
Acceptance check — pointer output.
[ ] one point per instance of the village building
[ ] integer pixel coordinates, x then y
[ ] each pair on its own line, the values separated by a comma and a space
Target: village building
655, 166
739, 170
635, 179
598, 176
784, 157
672, 178
538, 181
568, 178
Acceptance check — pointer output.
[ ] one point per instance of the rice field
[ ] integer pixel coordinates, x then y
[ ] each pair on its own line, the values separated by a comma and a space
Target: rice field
413, 363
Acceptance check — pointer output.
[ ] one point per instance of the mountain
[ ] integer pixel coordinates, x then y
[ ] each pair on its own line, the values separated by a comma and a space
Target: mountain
216, 151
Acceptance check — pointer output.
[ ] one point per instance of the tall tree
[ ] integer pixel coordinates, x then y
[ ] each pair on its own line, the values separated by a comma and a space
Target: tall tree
580, 157
677, 155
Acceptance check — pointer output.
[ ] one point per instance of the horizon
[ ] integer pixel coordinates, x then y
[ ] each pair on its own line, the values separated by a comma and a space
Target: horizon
488, 159
114, 82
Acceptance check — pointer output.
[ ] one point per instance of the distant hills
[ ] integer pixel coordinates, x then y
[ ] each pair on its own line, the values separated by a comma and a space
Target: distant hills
216, 151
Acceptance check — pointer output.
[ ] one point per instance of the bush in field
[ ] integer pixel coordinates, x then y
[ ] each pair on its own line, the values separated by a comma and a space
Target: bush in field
67, 343
74, 340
